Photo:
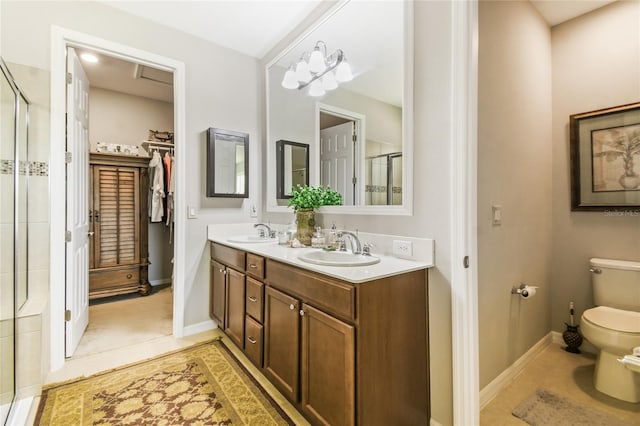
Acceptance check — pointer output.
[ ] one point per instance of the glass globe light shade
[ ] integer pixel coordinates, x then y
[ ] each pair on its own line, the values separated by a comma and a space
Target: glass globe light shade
343, 72
302, 72
316, 88
290, 81
329, 81
316, 61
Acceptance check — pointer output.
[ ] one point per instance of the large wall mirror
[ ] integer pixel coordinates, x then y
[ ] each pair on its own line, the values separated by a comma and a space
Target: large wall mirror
359, 133
227, 163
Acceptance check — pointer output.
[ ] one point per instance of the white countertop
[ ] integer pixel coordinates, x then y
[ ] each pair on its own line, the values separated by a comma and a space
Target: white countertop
388, 265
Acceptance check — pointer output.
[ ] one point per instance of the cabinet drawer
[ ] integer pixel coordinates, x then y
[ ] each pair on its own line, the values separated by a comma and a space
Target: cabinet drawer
255, 265
331, 295
114, 277
227, 255
254, 305
253, 341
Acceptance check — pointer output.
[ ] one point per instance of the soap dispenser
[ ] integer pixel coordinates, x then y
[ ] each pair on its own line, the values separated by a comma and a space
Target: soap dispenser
332, 239
317, 240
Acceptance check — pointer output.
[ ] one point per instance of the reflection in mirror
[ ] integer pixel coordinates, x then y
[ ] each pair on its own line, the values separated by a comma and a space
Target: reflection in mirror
292, 166
227, 163
22, 275
348, 125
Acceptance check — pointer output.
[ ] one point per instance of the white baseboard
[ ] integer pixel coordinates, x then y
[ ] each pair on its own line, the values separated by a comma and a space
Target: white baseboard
20, 412
160, 282
491, 390
585, 347
199, 328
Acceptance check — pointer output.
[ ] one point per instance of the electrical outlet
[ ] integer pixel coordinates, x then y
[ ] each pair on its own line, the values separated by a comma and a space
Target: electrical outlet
402, 248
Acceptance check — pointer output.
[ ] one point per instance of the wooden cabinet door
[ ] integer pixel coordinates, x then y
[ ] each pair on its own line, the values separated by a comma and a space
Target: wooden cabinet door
327, 380
217, 293
116, 216
234, 322
282, 341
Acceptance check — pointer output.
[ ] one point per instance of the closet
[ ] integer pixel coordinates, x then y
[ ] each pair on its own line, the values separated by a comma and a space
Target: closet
118, 221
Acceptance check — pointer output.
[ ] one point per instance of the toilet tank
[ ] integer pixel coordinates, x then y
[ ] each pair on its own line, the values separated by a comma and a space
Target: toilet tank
616, 283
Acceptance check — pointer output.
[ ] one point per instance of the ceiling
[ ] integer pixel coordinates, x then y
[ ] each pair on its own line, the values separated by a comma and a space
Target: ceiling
252, 27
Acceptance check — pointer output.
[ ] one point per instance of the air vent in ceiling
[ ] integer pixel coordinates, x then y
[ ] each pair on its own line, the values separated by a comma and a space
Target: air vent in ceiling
144, 72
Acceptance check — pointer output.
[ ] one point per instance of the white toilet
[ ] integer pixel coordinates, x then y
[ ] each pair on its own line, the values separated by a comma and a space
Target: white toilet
613, 326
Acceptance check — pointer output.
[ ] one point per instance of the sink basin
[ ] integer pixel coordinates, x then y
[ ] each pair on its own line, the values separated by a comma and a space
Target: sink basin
337, 258
250, 239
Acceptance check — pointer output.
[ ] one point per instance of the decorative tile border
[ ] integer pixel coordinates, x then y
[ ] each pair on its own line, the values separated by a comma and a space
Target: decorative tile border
31, 168
38, 168
6, 167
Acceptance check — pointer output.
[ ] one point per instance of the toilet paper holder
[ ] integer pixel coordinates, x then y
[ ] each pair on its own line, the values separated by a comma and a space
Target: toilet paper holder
525, 291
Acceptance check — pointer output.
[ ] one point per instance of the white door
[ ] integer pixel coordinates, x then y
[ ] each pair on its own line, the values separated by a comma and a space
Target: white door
77, 215
336, 160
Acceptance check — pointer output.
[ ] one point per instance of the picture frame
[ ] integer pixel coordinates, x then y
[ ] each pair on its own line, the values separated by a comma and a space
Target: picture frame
605, 159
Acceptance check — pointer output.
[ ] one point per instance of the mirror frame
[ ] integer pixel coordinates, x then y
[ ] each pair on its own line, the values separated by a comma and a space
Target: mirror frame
280, 165
406, 209
211, 161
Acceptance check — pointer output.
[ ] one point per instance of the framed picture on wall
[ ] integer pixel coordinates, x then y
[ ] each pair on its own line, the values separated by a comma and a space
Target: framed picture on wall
605, 159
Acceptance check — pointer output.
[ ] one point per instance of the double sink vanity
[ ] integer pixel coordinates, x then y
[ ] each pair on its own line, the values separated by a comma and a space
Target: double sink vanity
345, 344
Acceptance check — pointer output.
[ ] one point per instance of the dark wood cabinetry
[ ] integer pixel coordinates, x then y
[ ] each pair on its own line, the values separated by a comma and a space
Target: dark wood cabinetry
342, 353
234, 324
118, 222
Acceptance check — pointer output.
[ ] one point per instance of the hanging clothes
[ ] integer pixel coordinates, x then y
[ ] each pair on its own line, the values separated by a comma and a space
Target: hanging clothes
157, 185
170, 197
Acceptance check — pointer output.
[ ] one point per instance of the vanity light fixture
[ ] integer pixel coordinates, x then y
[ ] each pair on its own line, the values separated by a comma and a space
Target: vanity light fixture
316, 70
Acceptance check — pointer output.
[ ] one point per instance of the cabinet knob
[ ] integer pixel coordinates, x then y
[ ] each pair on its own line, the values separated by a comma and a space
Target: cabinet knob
301, 313
251, 340
292, 307
91, 233
129, 276
221, 270
253, 299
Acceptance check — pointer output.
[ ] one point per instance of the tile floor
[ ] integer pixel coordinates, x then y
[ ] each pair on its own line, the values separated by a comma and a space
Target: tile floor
564, 373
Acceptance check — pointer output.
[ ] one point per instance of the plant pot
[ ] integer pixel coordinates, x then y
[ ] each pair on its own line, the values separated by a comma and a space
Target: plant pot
306, 225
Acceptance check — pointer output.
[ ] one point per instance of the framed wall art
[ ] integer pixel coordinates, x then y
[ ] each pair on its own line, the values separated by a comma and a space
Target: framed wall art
605, 159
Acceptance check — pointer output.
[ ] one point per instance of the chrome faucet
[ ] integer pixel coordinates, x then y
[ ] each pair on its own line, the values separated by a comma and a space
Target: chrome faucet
356, 247
265, 230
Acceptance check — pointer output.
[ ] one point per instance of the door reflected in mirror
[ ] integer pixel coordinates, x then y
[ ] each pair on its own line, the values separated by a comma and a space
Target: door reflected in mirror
227, 163
292, 166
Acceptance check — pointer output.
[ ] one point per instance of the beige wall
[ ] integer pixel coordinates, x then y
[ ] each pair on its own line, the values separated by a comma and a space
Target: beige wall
596, 64
514, 171
221, 91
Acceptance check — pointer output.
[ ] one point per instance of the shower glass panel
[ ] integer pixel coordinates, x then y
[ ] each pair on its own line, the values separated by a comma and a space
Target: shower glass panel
385, 177
22, 175
7, 241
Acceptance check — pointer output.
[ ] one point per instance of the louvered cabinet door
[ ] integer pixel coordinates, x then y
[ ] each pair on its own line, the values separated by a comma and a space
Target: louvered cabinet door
116, 216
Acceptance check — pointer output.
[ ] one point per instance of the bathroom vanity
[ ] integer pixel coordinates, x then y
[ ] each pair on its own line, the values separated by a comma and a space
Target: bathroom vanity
344, 346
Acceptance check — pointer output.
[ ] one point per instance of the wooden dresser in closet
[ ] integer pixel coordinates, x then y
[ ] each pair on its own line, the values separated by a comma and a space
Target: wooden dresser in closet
118, 221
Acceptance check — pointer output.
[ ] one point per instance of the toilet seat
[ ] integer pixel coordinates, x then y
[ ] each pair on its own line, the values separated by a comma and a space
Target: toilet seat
613, 319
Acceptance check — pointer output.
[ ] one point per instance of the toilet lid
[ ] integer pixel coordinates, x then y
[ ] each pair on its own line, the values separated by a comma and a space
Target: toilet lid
614, 319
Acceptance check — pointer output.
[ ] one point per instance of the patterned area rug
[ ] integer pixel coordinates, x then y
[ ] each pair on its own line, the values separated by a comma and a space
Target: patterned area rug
545, 408
201, 385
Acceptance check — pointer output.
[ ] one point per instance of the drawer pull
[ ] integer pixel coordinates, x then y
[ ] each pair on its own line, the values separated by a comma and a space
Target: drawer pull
129, 276
252, 265
252, 340
253, 299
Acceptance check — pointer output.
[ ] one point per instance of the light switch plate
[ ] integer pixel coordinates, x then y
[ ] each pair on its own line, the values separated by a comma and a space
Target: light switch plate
192, 212
496, 215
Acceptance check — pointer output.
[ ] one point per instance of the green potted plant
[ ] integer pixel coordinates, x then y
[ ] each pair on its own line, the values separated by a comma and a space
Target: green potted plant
305, 200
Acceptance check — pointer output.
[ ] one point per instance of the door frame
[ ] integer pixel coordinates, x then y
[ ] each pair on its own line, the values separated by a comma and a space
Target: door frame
360, 121
60, 39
